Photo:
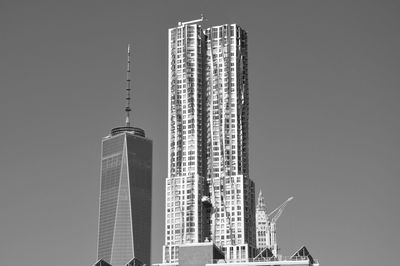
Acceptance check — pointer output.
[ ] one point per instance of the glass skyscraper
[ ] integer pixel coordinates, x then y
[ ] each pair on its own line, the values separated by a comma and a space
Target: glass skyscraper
125, 195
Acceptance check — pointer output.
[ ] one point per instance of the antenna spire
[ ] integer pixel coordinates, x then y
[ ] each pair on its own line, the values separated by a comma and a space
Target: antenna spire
128, 89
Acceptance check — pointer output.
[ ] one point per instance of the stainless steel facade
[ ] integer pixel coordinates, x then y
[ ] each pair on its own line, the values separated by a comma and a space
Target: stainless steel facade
125, 198
209, 195
231, 189
186, 216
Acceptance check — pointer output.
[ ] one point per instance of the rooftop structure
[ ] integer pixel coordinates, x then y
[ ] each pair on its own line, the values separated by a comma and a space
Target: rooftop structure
208, 255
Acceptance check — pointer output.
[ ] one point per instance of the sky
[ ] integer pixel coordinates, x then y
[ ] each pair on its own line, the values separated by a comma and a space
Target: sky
324, 119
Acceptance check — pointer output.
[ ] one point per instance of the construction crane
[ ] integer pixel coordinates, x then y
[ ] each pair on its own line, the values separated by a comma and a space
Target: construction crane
271, 228
275, 214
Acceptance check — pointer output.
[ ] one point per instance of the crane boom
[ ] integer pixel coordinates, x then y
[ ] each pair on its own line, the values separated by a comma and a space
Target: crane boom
271, 229
279, 210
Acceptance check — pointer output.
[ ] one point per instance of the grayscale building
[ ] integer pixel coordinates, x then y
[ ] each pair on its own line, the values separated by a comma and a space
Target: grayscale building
209, 195
232, 192
262, 224
125, 194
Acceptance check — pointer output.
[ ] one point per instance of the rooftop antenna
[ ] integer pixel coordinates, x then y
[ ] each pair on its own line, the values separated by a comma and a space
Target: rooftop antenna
128, 89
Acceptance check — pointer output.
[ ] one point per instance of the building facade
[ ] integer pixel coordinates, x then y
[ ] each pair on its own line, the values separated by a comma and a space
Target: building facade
262, 224
209, 195
231, 189
125, 197
186, 215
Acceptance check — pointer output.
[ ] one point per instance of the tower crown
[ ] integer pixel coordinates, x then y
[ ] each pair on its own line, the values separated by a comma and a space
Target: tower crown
261, 202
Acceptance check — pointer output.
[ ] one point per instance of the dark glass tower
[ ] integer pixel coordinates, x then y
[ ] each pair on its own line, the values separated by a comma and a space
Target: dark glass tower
125, 195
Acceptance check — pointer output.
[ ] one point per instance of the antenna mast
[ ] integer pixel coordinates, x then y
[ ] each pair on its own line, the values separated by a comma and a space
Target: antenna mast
128, 89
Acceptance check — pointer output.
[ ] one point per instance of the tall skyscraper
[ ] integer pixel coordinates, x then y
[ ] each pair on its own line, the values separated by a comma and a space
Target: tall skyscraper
231, 190
125, 193
209, 195
262, 224
186, 184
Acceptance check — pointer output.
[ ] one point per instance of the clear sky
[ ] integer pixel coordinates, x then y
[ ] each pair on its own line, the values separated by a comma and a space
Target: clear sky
324, 119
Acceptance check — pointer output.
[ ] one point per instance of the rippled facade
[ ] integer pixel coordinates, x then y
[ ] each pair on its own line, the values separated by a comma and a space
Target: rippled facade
231, 190
186, 216
209, 195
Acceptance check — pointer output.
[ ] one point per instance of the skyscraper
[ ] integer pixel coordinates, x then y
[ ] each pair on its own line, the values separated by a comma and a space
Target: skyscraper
231, 190
209, 195
125, 193
262, 224
186, 215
